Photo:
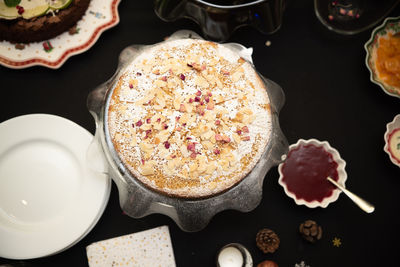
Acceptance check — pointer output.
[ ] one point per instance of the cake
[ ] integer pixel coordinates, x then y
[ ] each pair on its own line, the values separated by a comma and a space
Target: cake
33, 21
188, 118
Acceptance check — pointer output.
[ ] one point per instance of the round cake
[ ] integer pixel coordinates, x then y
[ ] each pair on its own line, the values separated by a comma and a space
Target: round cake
38, 20
189, 118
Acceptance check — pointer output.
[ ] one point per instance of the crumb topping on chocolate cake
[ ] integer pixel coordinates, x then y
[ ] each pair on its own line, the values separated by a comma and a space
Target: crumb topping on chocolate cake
189, 118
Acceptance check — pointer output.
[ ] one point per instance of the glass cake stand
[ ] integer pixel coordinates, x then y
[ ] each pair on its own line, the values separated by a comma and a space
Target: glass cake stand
138, 200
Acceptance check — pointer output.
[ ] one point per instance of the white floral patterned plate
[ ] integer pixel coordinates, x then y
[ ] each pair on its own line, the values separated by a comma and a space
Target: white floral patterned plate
391, 25
100, 16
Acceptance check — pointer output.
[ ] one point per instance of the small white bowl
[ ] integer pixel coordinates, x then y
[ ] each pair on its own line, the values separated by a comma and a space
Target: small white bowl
392, 25
342, 175
390, 129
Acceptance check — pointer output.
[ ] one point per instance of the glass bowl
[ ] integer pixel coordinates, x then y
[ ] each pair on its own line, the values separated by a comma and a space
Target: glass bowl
218, 19
138, 200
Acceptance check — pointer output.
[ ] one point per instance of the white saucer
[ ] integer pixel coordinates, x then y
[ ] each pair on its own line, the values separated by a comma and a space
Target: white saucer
49, 198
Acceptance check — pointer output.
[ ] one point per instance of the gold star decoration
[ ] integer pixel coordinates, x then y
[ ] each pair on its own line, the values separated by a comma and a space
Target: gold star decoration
336, 242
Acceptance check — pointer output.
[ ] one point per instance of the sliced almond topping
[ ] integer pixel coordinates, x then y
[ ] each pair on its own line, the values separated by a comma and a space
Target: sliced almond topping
251, 118
238, 117
146, 147
236, 138
236, 76
122, 109
118, 137
145, 127
245, 138
156, 140
161, 101
207, 135
207, 145
160, 83
133, 83
200, 81
212, 185
163, 136
147, 168
191, 119
184, 118
219, 99
177, 102
202, 167
184, 151
168, 171
247, 111
188, 107
211, 168
177, 162
192, 167
172, 83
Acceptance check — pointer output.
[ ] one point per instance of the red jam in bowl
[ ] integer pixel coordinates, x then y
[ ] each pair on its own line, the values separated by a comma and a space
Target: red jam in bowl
305, 171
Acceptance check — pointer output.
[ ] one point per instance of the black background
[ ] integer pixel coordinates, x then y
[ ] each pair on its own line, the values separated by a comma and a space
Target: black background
328, 97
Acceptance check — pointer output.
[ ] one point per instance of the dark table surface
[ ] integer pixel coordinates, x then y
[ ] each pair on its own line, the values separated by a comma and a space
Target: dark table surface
328, 97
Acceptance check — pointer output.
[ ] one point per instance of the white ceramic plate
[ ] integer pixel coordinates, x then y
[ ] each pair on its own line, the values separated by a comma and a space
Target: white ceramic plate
100, 16
49, 198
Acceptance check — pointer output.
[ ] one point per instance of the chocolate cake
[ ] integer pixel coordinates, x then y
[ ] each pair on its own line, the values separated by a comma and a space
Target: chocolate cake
189, 118
42, 27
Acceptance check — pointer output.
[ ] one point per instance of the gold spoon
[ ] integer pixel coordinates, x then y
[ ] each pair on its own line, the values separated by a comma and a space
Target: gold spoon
363, 204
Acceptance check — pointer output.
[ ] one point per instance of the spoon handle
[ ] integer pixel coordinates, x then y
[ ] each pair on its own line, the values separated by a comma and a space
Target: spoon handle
363, 204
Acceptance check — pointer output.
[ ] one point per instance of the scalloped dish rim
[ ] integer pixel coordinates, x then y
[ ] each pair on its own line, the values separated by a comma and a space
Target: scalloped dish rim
369, 45
390, 128
70, 49
342, 175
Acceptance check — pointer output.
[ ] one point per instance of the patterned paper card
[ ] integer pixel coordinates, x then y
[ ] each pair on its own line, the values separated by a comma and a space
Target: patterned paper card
148, 248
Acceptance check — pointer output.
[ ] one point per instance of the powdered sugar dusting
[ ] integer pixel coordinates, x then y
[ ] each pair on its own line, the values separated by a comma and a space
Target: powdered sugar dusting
189, 118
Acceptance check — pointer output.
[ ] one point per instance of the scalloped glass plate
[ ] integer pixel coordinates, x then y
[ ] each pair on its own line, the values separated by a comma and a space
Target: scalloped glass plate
100, 16
389, 25
137, 200
49, 198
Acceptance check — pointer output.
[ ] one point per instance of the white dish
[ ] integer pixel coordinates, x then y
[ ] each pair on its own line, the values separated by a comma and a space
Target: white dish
342, 175
49, 198
390, 130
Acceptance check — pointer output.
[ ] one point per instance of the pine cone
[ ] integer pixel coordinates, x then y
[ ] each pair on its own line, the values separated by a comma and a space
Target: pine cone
310, 231
267, 240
